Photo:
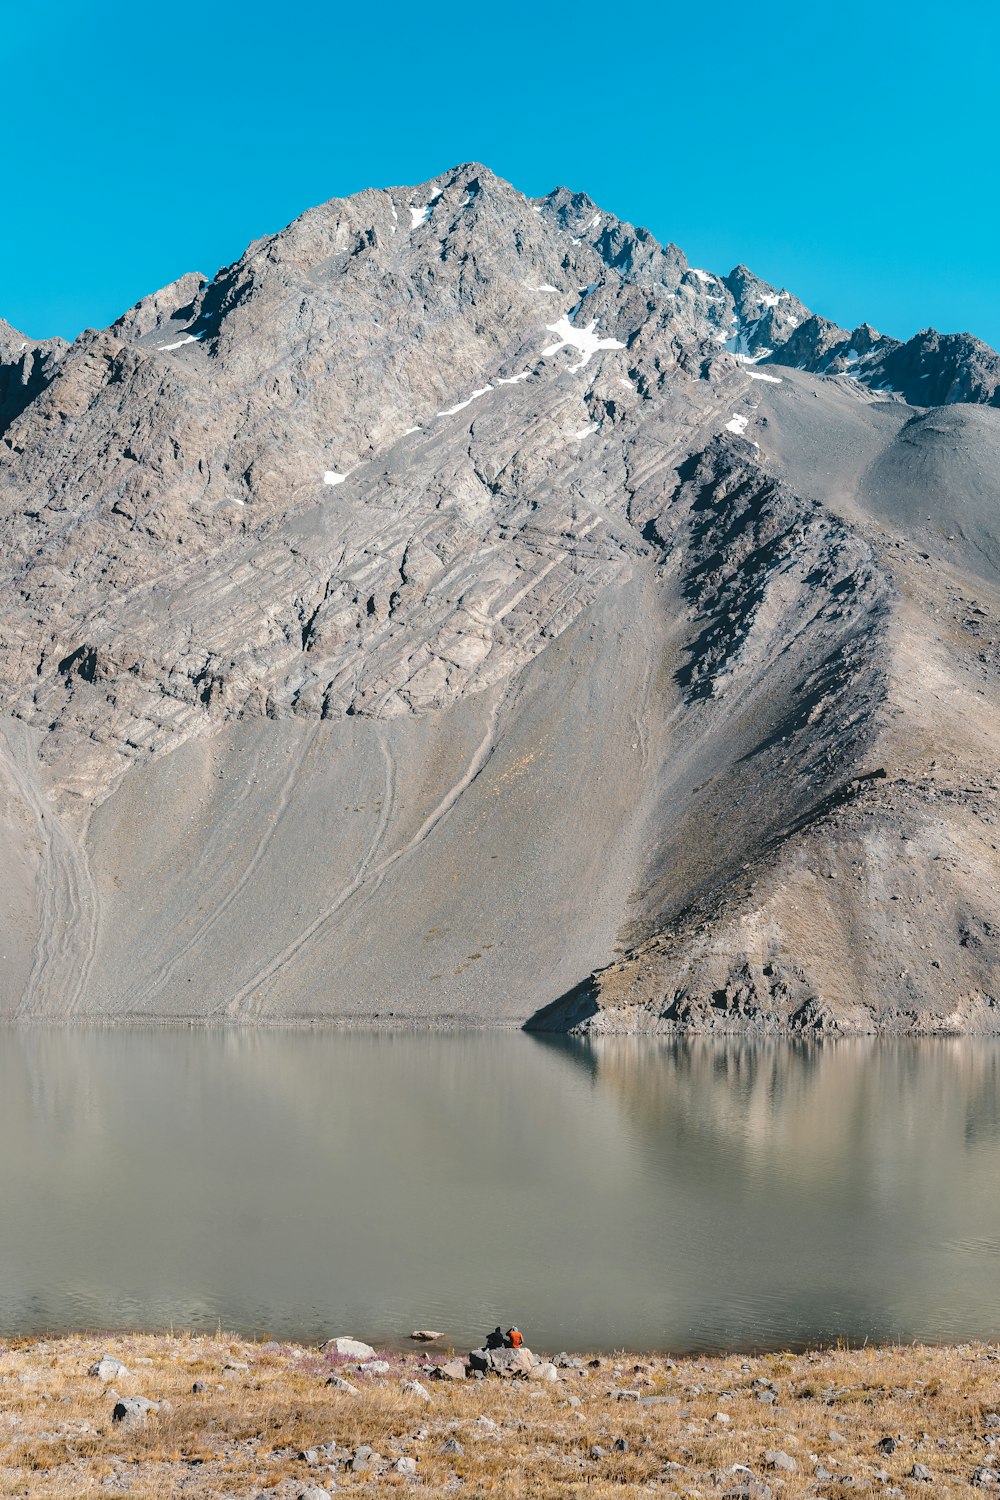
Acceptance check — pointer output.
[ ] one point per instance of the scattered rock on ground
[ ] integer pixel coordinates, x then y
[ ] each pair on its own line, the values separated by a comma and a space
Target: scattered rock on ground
340, 1384
416, 1389
343, 1344
131, 1411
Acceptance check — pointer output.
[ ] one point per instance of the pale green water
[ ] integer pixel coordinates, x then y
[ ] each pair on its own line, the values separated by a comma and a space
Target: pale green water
629, 1194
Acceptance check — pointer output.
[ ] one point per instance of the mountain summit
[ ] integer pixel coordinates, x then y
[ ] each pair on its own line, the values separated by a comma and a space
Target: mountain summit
462, 609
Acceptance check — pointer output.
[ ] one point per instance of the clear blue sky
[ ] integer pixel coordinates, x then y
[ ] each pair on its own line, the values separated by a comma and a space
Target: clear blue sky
845, 150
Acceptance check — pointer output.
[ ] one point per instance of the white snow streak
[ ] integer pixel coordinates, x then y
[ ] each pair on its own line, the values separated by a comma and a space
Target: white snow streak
189, 338
418, 215
759, 375
513, 379
594, 222
737, 425
585, 431
545, 287
463, 404
584, 340
332, 477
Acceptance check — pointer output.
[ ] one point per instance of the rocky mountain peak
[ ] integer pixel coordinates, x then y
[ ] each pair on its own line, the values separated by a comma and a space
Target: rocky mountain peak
457, 587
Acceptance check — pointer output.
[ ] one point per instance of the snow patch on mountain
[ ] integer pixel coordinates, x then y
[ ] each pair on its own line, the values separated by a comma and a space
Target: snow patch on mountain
584, 340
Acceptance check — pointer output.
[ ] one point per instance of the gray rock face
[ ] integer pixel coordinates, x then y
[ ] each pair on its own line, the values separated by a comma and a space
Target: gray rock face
450, 555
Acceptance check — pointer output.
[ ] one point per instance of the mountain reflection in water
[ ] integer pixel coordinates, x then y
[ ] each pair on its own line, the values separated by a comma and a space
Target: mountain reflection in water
622, 1193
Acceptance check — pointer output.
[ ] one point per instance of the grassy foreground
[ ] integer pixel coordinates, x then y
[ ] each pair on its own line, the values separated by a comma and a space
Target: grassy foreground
806, 1424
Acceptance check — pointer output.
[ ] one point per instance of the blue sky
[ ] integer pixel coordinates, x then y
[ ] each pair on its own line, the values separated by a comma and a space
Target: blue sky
847, 151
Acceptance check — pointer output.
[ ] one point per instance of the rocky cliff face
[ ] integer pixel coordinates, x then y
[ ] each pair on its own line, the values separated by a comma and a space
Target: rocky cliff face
460, 594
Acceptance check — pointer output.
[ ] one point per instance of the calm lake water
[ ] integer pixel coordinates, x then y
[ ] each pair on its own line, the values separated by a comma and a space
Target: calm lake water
637, 1194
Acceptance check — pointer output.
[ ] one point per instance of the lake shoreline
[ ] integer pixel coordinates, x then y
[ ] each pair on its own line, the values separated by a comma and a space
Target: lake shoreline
224, 1416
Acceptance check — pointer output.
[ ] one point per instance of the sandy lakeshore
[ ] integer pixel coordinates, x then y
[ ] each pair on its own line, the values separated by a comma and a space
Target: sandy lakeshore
232, 1418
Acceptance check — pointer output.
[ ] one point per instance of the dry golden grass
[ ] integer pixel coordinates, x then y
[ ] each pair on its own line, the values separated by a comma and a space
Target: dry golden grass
243, 1436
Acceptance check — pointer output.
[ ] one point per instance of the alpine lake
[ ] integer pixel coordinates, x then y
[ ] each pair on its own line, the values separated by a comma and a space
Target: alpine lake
627, 1193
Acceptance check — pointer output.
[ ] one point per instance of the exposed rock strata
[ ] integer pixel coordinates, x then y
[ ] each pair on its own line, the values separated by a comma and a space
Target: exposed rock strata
457, 593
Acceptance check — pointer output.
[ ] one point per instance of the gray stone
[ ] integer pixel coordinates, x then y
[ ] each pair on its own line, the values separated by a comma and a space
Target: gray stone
777, 1459
452, 1448
405, 1465
198, 1388
503, 1362
131, 1411
921, 1471
375, 1367
425, 1335
454, 1369
343, 1344
985, 1479
340, 1384
414, 1388
108, 1368
316, 1492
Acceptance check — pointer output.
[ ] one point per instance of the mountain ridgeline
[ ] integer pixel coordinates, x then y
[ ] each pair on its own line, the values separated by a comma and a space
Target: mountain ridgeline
461, 610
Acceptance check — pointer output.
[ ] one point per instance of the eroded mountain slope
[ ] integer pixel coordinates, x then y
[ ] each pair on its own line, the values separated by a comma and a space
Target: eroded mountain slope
458, 592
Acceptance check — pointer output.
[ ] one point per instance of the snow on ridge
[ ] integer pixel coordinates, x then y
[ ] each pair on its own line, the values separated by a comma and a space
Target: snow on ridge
584, 340
585, 431
513, 379
418, 215
773, 301
332, 477
463, 404
545, 287
737, 425
759, 375
701, 275
189, 338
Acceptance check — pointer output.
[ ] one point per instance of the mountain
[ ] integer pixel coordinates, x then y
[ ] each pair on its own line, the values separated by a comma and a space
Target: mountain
462, 610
